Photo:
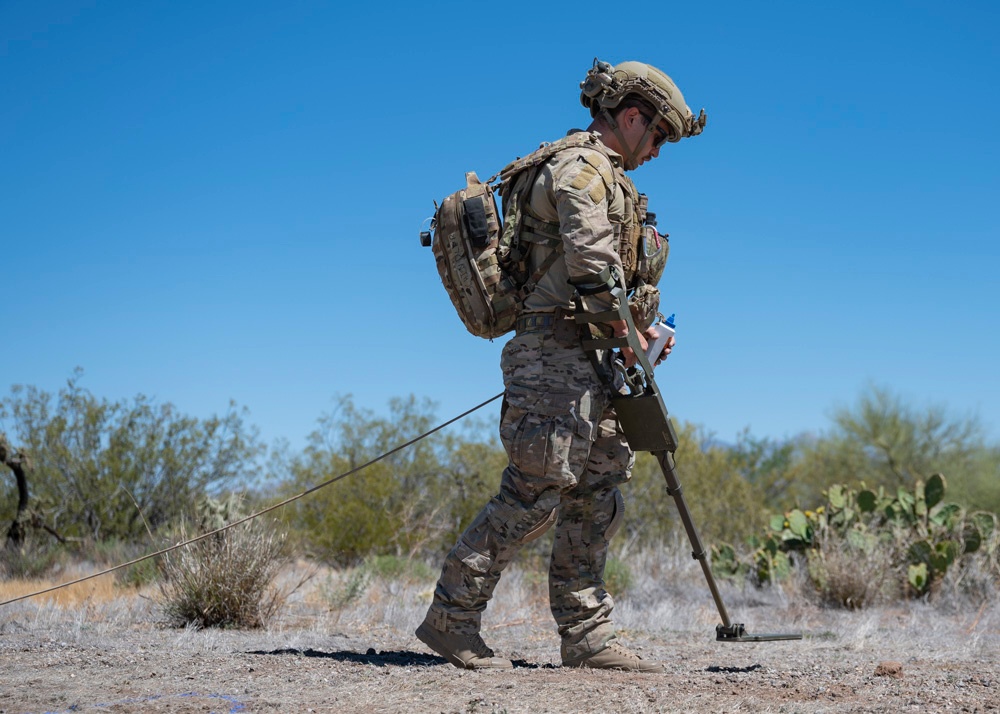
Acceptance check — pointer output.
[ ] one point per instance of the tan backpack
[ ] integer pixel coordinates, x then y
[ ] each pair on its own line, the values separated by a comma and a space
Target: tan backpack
481, 257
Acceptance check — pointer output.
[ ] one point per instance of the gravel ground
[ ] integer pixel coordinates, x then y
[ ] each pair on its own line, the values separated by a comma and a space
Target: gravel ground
114, 656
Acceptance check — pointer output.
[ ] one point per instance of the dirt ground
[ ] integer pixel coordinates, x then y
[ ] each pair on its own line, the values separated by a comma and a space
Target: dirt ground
115, 657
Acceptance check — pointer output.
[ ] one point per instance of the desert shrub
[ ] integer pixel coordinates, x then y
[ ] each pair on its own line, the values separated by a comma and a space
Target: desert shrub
111, 469
113, 552
345, 521
226, 579
883, 441
853, 573
342, 589
393, 567
145, 572
32, 559
725, 505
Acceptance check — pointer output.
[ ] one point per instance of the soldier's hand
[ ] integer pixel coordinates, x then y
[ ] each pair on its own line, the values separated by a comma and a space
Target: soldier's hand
621, 330
666, 347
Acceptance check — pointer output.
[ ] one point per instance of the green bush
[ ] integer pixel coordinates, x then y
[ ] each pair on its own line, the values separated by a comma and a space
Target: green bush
393, 567
618, 578
32, 559
113, 469
110, 553
413, 503
881, 440
725, 505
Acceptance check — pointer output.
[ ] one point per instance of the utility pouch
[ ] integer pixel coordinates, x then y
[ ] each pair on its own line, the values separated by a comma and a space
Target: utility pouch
565, 331
644, 304
479, 215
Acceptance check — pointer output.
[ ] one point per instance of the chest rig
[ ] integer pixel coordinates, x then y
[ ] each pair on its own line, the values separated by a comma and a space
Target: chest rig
643, 251
641, 248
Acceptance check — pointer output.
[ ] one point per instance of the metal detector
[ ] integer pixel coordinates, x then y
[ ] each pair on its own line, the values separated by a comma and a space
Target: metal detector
644, 419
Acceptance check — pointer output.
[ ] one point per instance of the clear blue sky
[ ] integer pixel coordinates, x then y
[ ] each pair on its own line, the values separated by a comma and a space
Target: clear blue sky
210, 201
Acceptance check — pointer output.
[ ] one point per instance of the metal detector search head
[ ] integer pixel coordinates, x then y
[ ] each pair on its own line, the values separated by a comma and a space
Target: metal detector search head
738, 633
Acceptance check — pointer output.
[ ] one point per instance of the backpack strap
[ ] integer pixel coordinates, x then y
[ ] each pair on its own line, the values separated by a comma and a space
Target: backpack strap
542, 233
535, 230
547, 151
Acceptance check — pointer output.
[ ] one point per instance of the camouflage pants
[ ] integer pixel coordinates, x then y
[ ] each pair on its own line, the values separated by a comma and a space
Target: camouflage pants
566, 453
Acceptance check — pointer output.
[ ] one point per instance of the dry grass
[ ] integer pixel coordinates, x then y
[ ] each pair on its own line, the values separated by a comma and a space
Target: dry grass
363, 656
225, 580
851, 578
668, 598
98, 590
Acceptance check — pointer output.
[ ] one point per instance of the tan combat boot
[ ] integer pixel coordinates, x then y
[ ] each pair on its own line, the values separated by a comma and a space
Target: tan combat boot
463, 651
616, 656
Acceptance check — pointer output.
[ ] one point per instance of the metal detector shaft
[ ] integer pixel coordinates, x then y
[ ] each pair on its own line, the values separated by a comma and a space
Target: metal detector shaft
643, 418
674, 489
727, 631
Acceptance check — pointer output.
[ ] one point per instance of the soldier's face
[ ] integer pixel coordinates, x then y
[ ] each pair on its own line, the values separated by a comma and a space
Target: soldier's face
641, 144
652, 142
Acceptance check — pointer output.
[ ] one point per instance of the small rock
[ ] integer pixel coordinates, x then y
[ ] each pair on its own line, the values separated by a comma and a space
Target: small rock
889, 669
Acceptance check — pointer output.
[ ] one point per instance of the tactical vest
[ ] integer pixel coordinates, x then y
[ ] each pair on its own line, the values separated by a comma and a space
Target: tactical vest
643, 252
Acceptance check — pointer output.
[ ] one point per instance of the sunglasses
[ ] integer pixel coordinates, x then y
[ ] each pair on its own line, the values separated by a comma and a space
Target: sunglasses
659, 135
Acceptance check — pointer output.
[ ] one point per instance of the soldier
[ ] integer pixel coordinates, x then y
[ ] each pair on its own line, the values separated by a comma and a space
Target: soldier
567, 453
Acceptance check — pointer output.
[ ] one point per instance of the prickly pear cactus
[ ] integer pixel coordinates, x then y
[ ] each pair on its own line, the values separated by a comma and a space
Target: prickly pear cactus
931, 534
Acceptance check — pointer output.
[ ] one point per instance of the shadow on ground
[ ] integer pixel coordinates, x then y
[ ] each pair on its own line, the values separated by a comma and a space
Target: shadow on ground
733, 670
404, 658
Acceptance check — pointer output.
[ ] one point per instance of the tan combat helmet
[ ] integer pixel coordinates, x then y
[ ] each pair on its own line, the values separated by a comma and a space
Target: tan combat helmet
605, 87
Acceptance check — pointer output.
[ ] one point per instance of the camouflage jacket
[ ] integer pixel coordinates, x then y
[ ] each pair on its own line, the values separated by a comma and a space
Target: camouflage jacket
587, 194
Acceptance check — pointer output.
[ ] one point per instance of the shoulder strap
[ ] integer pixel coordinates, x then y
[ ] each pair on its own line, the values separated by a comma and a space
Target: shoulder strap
547, 151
